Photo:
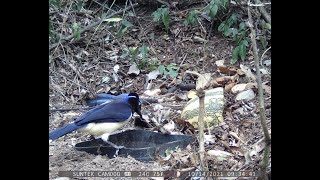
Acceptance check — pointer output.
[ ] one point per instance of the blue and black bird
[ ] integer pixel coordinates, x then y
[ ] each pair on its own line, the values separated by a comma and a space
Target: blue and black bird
104, 119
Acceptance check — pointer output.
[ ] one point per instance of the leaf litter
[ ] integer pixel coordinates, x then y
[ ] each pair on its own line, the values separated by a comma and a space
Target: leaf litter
100, 69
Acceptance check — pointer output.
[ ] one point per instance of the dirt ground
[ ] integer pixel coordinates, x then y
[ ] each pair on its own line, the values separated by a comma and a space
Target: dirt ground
78, 70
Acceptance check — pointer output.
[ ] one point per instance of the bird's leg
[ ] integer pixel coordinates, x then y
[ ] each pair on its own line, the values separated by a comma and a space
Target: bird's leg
105, 138
93, 138
99, 149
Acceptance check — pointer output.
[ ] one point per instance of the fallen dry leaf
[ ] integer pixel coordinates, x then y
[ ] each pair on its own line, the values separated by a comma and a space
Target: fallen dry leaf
209, 139
153, 74
259, 145
236, 136
248, 73
228, 87
265, 87
220, 63
133, 69
240, 72
153, 92
227, 70
238, 88
199, 39
203, 80
221, 81
220, 155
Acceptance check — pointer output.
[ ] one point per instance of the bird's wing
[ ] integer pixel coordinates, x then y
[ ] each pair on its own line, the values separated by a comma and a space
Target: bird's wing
115, 111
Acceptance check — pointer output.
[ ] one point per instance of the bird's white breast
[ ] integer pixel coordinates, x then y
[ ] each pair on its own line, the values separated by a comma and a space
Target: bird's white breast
97, 129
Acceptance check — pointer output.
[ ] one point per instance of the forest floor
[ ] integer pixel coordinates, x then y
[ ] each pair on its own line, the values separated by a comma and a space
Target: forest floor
86, 67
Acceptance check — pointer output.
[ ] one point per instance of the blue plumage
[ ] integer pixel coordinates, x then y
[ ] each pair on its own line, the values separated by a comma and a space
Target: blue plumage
104, 98
103, 119
55, 134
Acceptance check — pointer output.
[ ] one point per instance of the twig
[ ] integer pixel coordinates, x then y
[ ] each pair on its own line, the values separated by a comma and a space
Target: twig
138, 20
162, 2
68, 79
92, 25
70, 109
259, 4
205, 32
184, 58
262, 112
201, 95
261, 59
103, 6
98, 27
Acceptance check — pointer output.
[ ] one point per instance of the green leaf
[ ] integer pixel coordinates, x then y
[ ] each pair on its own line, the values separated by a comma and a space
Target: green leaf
142, 64
234, 32
162, 69
55, 3
124, 55
245, 42
225, 3
173, 70
191, 18
263, 41
235, 55
173, 73
153, 63
122, 31
233, 17
113, 19
157, 15
217, 2
144, 51
267, 26
213, 11
76, 31
242, 25
242, 51
126, 23
124, 27
79, 5
134, 53
227, 32
221, 27
166, 19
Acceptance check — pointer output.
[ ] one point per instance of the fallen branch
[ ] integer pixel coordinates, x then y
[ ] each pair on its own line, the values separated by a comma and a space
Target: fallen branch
91, 26
164, 3
262, 112
263, 11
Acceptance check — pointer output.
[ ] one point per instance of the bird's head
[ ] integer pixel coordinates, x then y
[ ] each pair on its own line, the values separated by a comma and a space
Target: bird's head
134, 101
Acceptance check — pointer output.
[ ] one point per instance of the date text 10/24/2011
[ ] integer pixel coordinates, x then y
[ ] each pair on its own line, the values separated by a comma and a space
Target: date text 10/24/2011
158, 173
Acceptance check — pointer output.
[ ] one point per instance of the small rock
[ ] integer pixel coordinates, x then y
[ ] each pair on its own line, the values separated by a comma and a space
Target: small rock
245, 95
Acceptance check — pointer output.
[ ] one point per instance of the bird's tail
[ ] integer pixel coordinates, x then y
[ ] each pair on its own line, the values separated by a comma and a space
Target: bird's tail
55, 134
